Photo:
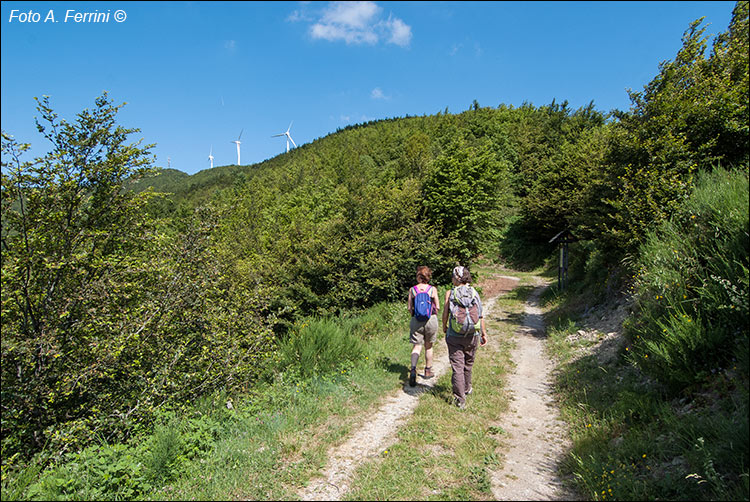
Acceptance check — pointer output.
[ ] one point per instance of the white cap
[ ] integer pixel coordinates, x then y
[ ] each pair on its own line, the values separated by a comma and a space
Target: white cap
458, 272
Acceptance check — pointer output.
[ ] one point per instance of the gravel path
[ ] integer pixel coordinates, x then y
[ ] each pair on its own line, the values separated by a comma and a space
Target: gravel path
535, 443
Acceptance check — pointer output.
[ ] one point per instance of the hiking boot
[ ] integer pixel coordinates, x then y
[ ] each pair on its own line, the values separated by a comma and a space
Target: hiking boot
460, 404
469, 391
413, 377
428, 372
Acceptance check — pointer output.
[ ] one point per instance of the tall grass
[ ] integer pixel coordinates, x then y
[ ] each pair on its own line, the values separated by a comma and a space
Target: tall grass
319, 346
630, 443
692, 289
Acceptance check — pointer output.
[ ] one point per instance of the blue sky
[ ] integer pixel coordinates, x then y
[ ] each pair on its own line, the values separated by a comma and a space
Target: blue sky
195, 74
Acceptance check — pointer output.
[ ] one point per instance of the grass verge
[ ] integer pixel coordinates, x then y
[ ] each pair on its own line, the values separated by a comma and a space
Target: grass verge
630, 440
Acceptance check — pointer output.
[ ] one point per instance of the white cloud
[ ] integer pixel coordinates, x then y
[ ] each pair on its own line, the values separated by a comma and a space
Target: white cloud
296, 16
377, 93
358, 23
356, 15
332, 33
400, 32
230, 44
466, 47
301, 14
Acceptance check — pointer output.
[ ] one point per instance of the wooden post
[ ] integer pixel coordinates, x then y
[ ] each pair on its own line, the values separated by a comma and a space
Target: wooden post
562, 265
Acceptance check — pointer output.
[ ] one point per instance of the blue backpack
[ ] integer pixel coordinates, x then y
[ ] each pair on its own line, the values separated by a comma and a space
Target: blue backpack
422, 304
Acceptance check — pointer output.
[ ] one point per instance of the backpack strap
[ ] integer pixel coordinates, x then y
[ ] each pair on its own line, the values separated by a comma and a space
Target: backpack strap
417, 291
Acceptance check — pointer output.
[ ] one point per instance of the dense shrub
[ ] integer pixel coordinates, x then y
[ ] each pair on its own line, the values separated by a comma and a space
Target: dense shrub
319, 346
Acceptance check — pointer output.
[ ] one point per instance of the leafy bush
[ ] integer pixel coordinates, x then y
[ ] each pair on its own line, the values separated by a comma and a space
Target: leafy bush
110, 472
128, 471
692, 291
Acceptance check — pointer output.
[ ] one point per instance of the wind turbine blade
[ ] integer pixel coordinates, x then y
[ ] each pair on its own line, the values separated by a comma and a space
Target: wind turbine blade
290, 139
277, 135
238, 137
290, 126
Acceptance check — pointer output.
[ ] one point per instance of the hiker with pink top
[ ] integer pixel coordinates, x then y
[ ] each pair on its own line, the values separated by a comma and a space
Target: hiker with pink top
423, 306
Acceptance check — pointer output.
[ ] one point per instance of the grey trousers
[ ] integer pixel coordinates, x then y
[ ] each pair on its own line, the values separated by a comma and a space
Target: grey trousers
461, 352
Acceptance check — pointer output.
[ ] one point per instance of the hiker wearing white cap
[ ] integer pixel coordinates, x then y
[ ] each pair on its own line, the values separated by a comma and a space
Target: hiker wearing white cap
463, 325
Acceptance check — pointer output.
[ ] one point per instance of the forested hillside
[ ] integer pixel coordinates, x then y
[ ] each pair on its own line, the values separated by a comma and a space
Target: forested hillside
120, 302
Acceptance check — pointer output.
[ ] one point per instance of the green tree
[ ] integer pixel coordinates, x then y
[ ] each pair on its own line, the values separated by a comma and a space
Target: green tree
466, 188
575, 144
109, 314
692, 116
69, 237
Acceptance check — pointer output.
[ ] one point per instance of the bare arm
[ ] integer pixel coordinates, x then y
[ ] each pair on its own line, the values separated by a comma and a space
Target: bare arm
482, 329
446, 311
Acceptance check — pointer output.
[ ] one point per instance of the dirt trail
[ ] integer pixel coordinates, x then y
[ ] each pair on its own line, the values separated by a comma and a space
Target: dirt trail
528, 473
368, 442
536, 434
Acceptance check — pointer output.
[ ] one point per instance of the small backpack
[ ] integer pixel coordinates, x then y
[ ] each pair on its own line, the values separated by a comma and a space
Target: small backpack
422, 304
464, 309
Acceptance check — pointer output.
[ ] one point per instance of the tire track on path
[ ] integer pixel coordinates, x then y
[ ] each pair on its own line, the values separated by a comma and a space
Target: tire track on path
538, 439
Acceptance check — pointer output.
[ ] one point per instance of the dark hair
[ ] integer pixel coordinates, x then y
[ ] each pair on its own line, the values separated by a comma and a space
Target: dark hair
424, 274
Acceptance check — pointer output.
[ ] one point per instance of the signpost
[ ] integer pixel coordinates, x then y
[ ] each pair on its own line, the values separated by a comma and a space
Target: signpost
564, 238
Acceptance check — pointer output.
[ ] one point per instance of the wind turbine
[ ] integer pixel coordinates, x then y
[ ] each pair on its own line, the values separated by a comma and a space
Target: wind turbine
211, 157
288, 137
237, 142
